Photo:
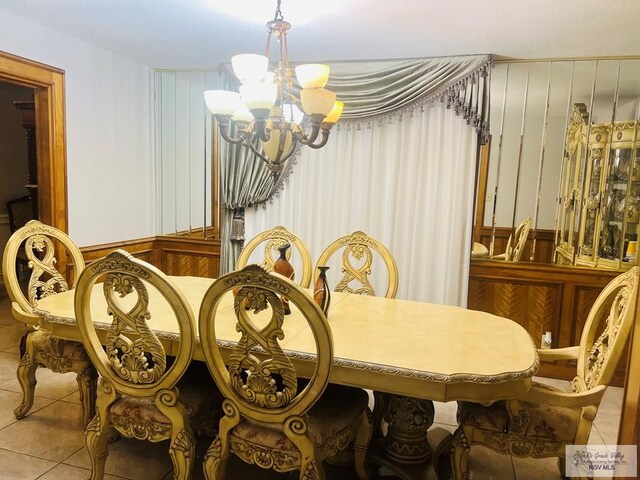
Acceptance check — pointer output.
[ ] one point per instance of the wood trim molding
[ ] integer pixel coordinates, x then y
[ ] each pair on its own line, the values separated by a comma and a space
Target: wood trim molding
48, 83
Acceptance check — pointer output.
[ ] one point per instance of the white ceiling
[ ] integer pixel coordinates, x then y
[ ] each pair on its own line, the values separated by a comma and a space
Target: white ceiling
177, 34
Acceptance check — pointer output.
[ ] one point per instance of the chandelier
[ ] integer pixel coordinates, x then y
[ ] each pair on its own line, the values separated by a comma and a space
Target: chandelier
270, 119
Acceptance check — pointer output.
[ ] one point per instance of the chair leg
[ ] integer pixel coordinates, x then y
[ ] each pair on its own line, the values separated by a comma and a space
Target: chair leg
182, 452
361, 444
459, 459
96, 440
562, 462
215, 460
87, 379
26, 374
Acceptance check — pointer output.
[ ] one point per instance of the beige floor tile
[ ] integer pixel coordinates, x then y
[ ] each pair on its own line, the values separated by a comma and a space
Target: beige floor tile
446, 413
8, 365
485, 464
131, 459
608, 425
563, 385
16, 466
73, 397
10, 336
68, 472
536, 468
612, 401
55, 386
10, 400
595, 438
53, 433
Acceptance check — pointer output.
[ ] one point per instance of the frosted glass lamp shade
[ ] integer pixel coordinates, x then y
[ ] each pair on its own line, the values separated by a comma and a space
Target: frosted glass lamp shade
250, 67
259, 95
222, 102
270, 147
291, 112
312, 75
317, 100
335, 113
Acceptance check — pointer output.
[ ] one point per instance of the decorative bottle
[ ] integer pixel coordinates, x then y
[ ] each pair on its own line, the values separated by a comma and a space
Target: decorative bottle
321, 291
283, 267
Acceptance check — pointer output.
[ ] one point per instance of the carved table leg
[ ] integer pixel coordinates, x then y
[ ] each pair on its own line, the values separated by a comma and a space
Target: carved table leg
408, 420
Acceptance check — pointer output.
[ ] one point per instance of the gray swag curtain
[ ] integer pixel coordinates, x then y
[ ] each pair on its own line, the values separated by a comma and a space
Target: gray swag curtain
371, 92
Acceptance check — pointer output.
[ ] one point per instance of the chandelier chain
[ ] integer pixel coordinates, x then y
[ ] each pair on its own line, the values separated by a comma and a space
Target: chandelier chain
278, 15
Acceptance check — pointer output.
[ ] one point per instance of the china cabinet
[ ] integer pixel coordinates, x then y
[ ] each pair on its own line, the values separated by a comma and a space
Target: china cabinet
599, 206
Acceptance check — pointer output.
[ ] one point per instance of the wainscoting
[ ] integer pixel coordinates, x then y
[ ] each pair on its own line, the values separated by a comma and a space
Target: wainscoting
541, 298
174, 255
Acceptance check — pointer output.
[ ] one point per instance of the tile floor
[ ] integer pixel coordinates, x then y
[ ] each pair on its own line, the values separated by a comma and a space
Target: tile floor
48, 443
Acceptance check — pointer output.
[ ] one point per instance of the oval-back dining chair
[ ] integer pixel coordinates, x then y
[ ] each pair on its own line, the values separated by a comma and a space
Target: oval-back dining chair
273, 239
39, 243
514, 251
272, 418
542, 422
357, 260
138, 392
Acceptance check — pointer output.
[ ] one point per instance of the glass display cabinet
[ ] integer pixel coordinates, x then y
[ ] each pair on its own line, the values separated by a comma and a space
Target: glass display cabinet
599, 208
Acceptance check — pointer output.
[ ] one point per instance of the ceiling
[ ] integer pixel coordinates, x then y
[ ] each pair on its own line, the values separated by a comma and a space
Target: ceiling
196, 34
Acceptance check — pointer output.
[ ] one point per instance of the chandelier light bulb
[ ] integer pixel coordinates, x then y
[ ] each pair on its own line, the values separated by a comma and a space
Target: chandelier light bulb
312, 75
250, 67
222, 102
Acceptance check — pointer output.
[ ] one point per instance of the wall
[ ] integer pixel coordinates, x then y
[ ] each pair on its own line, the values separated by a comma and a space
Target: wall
109, 131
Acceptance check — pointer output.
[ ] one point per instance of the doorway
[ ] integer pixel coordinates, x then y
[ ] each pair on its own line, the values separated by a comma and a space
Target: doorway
48, 95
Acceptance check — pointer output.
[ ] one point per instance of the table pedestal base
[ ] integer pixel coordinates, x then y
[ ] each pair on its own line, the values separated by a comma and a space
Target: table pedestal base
408, 420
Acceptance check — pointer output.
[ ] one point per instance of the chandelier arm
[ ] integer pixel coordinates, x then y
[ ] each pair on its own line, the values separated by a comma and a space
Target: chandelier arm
308, 140
256, 152
323, 140
224, 132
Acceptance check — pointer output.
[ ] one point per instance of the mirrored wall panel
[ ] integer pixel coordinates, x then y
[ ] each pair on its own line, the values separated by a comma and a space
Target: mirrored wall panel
564, 159
184, 149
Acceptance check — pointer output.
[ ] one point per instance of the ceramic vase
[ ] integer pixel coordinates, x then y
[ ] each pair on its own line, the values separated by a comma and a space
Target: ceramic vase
283, 267
321, 291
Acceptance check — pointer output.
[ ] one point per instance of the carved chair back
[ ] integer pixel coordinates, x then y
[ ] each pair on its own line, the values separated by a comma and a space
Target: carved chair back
133, 360
40, 243
357, 259
273, 239
606, 331
514, 252
258, 378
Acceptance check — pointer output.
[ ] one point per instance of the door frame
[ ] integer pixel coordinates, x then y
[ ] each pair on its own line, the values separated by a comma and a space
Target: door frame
48, 85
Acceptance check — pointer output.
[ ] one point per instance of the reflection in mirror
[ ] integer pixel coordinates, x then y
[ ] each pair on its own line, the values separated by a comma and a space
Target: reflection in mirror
545, 162
186, 174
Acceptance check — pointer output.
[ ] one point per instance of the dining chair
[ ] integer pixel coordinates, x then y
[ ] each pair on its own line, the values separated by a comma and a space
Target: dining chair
357, 260
543, 421
513, 253
273, 418
141, 390
273, 239
38, 243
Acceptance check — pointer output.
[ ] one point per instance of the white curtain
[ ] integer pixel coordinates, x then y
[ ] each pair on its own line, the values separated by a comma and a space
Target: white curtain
407, 180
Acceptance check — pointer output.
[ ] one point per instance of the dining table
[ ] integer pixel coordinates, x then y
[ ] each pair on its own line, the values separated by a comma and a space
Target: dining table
410, 353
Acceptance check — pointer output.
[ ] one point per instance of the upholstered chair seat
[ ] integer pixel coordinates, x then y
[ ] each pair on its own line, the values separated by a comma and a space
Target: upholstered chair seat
545, 422
332, 420
200, 399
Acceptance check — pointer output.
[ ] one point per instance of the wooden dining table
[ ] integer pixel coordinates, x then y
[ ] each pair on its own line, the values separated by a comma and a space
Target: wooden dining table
414, 350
